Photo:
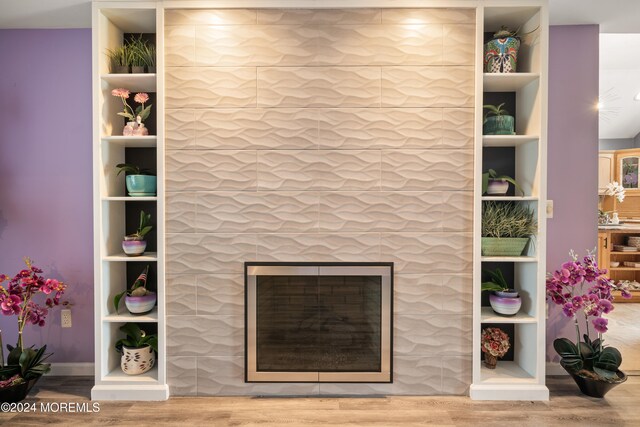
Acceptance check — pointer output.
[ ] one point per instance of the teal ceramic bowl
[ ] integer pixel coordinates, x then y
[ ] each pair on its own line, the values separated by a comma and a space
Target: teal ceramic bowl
141, 185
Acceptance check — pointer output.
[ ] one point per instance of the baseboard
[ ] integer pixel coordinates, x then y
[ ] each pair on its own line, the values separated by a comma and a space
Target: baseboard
555, 369
72, 369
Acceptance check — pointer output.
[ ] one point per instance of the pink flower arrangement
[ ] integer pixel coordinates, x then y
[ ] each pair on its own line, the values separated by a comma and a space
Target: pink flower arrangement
141, 113
17, 299
495, 342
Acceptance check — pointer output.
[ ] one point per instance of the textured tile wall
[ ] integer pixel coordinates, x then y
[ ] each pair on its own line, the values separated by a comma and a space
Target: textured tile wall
319, 135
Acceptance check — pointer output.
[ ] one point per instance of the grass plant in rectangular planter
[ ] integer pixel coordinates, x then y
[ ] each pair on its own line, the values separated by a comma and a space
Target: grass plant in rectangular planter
506, 228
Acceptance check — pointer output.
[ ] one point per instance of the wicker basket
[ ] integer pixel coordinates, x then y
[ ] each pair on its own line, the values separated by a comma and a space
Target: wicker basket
495, 246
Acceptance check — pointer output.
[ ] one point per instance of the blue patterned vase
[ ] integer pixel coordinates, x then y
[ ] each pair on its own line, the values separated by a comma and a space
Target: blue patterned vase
501, 55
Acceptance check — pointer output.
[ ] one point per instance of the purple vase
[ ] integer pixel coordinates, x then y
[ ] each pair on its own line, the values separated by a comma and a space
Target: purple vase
505, 306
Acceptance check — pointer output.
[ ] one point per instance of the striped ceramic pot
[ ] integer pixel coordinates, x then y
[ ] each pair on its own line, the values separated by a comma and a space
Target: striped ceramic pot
133, 247
140, 305
505, 306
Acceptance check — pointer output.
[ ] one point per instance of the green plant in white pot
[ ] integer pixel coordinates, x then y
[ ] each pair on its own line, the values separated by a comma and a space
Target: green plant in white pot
497, 185
497, 121
506, 228
134, 244
140, 182
138, 349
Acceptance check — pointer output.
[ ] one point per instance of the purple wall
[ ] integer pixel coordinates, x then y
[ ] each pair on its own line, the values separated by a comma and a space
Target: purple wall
572, 177
46, 176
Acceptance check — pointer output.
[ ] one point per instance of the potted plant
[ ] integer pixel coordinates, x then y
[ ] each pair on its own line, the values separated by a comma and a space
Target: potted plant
494, 344
138, 299
134, 244
501, 52
25, 365
503, 299
497, 185
506, 228
497, 121
134, 126
140, 182
119, 59
584, 291
149, 57
138, 349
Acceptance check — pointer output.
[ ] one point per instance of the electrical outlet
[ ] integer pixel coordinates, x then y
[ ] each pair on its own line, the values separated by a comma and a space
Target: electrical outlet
65, 318
549, 208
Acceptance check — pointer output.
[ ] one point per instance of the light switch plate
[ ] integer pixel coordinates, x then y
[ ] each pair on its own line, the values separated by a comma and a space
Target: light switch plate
549, 208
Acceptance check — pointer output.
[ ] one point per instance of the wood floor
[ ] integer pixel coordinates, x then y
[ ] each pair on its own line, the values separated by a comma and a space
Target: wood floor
567, 407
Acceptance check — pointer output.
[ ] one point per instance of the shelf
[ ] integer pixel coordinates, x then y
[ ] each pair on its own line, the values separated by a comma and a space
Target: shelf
505, 373
510, 198
624, 252
507, 140
148, 256
149, 141
129, 199
507, 82
134, 82
508, 258
624, 269
488, 316
125, 316
150, 377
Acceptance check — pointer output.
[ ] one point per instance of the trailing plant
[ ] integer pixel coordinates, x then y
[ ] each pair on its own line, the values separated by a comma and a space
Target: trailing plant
136, 338
584, 290
507, 219
138, 289
497, 281
493, 175
131, 169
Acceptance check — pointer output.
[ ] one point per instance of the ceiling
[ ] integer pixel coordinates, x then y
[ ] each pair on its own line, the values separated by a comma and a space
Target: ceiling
619, 45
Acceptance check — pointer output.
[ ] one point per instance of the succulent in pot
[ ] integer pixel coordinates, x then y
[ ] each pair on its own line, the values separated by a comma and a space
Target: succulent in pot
507, 227
134, 244
138, 299
138, 349
497, 185
504, 300
140, 182
497, 121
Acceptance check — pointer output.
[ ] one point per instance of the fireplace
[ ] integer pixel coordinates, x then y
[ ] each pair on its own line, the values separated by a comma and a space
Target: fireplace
318, 322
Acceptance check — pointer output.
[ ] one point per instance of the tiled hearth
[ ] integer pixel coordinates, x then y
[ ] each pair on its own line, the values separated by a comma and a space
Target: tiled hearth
318, 136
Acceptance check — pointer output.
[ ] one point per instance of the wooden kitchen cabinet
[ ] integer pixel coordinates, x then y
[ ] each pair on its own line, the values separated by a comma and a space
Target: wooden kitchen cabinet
603, 249
606, 254
606, 168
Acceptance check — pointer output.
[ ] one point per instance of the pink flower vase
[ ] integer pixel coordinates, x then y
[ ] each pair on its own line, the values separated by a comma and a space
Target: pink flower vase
135, 129
140, 130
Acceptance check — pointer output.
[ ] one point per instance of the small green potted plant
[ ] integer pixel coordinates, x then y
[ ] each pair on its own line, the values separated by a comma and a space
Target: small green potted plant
140, 182
497, 185
497, 121
138, 349
501, 52
149, 57
119, 59
504, 300
506, 228
137, 46
134, 244
138, 299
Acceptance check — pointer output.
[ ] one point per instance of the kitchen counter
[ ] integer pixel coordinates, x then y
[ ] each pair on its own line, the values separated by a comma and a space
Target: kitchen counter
621, 228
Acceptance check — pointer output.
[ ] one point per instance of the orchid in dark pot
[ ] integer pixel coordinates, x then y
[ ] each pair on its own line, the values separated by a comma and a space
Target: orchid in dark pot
584, 293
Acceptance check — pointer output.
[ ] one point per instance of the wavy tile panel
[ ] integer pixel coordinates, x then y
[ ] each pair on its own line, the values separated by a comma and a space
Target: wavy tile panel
180, 212
428, 16
257, 128
411, 376
202, 87
221, 294
459, 44
380, 211
439, 335
319, 87
380, 45
318, 170
427, 253
181, 376
180, 130
448, 86
180, 46
375, 128
457, 294
180, 293
210, 16
205, 335
318, 16
456, 375
209, 253
319, 247
457, 128
457, 211
417, 294
427, 170
210, 170
224, 376
255, 45
248, 212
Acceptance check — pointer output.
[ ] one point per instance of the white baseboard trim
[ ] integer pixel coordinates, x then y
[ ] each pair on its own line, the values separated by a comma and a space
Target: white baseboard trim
72, 369
555, 369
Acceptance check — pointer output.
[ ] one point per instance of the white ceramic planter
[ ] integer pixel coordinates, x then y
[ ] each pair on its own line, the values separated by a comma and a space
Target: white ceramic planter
136, 361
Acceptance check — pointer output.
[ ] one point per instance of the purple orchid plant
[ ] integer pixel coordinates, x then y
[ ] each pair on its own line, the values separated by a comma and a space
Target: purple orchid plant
582, 289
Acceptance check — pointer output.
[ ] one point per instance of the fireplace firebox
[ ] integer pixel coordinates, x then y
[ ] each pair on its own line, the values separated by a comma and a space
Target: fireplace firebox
318, 322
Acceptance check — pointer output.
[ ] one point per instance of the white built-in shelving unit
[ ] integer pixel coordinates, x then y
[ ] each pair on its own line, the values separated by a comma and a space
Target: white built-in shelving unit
113, 269
522, 378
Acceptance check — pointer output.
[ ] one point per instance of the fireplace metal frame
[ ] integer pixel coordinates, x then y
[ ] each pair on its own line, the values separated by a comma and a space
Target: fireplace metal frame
383, 269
